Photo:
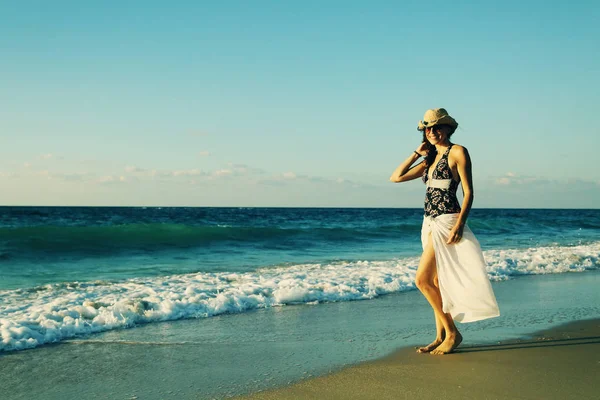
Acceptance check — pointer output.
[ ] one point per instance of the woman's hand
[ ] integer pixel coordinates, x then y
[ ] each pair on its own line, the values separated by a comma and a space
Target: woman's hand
423, 149
456, 234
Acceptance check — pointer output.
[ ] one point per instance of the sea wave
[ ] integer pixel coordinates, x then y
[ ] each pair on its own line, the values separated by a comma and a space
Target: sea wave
99, 240
30, 317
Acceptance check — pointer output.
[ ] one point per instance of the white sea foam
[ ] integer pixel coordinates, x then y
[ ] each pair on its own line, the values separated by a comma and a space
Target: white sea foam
51, 313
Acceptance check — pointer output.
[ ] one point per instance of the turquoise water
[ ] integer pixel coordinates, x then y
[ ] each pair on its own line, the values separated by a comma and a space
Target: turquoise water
72, 272
41, 245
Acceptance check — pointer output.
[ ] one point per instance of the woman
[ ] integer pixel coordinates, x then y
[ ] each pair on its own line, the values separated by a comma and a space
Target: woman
451, 273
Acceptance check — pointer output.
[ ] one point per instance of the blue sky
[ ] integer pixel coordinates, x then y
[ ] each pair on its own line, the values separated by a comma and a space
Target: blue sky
313, 103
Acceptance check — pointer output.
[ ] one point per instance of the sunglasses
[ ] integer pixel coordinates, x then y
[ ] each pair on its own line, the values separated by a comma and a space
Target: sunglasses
435, 128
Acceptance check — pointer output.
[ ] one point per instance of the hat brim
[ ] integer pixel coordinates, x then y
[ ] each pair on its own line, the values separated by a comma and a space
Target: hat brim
445, 120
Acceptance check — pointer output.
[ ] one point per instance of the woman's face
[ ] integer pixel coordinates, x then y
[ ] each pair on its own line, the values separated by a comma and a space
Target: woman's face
437, 134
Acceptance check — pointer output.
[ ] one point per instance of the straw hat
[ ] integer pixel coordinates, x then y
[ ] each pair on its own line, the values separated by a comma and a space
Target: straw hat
438, 116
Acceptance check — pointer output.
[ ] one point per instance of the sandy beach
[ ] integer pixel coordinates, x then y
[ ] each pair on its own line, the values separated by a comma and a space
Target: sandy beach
558, 363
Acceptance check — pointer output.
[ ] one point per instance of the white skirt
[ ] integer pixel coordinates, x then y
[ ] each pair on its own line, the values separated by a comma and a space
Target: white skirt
466, 290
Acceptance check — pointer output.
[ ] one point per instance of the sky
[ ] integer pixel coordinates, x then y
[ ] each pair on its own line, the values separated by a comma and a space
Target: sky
294, 104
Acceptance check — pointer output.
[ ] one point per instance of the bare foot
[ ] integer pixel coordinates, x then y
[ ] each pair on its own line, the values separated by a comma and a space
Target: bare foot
449, 344
431, 346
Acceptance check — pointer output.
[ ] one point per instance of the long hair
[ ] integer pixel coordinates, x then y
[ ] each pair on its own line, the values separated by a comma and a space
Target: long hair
431, 150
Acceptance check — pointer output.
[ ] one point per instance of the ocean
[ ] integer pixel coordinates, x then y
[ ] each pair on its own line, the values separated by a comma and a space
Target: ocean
235, 281
70, 271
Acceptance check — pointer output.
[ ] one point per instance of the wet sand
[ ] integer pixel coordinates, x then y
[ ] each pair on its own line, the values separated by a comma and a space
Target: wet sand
558, 363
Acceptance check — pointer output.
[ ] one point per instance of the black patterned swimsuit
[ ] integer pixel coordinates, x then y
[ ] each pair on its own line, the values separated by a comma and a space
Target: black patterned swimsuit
440, 197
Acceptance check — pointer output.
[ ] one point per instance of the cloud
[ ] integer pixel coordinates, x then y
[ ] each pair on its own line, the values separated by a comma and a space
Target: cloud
222, 172
49, 174
510, 178
104, 179
283, 177
232, 169
245, 169
135, 170
50, 156
237, 170
26, 165
155, 173
112, 179
204, 153
133, 173
75, 176
44, 173
189, 172
320, 179
289, 176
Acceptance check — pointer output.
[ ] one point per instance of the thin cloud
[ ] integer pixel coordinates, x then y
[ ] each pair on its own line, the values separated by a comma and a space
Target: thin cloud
283, 177
245, 169
222, 172
510, 178
289, 176
109, 179
513, 179
135, 170
237, 170
105, 179
334, 181
204, 153
231, 169
76, 176
44, 173
51, 156
189, 172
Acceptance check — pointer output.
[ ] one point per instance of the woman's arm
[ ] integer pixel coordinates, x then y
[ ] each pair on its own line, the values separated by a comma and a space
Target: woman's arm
404, 172
463, 166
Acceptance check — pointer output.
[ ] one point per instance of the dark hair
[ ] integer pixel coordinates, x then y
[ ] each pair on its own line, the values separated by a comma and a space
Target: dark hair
431, 150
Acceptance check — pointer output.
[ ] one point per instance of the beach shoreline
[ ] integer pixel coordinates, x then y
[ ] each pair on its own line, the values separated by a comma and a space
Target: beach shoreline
556, 363
254, 352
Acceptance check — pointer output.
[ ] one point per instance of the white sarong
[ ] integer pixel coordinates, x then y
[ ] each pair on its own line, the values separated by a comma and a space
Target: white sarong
466, 290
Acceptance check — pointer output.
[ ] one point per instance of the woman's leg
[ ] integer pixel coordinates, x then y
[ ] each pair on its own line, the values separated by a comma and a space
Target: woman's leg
440, 333
447, 336
439, 325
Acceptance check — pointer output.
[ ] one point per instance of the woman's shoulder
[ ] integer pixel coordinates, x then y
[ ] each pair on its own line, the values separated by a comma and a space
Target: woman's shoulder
458, 152
456, 146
